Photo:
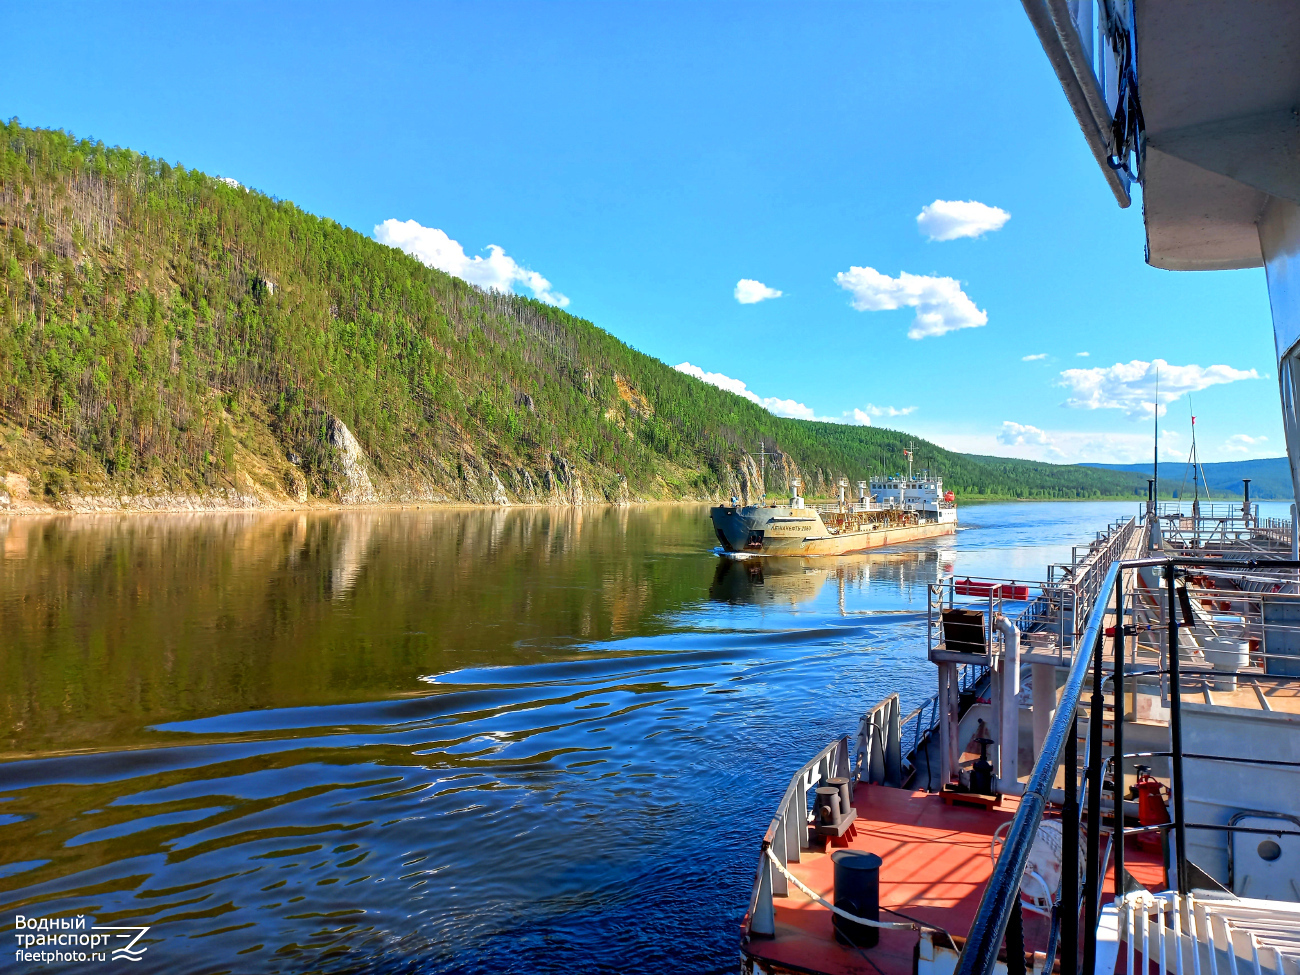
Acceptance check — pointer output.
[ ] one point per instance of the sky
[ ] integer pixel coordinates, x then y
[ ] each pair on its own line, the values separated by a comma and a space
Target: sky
873, 213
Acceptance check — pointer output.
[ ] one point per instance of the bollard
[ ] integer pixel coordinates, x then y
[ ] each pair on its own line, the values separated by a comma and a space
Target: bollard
857, 890
846, 798
828, 805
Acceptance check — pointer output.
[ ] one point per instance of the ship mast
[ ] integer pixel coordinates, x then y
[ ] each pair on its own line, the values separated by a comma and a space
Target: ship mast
1196, 470
1155, 450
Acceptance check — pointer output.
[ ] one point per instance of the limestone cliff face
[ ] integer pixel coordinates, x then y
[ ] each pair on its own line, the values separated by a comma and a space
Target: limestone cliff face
350, 465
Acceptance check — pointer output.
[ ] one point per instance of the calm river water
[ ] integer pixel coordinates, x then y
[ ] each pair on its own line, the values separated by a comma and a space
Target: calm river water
435, 741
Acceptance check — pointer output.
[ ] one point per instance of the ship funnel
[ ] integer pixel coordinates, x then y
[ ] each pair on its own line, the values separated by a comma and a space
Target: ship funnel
862, 492
844, 487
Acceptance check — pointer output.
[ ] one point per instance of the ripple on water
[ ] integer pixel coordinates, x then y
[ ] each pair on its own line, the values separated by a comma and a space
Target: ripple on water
500, 741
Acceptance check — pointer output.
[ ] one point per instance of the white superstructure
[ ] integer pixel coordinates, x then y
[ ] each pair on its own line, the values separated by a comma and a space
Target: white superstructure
916, 493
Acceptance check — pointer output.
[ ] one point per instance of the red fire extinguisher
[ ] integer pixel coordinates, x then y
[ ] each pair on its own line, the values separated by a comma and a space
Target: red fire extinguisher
1152, 810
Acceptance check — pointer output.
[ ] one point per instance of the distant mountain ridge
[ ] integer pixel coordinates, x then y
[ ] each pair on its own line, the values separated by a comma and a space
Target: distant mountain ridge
168, 339
1270, 477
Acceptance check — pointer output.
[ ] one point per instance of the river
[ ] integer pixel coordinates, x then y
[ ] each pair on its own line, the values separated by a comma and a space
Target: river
528, 740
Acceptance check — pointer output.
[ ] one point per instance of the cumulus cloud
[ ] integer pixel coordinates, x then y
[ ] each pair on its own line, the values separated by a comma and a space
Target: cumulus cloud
1083, 355
789, 407
773, 404
941, 306
751, 292
1018, 434
951, 219
872, 410
1064, 446
1033, 358
1241, 443
1131, 386
497, 272
230, 181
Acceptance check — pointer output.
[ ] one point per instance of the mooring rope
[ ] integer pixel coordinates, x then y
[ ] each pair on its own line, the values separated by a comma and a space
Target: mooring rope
892, 925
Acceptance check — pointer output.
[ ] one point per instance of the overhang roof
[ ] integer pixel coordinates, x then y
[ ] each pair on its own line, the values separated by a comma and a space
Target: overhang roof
1219, 83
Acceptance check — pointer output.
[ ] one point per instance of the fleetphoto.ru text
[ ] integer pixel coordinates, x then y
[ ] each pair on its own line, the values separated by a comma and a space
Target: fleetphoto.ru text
53, 940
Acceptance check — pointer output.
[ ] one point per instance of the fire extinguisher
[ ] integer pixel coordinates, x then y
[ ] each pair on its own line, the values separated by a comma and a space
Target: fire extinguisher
1153, 810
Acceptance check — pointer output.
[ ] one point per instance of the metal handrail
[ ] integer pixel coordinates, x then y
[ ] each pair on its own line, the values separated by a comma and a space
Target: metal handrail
787, 834
1001, 896
878, 757
980, 954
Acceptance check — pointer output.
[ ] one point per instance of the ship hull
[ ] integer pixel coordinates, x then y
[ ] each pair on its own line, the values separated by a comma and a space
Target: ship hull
798, 534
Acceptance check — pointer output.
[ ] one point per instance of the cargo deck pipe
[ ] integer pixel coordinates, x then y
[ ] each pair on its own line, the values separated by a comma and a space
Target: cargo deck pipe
1009, 722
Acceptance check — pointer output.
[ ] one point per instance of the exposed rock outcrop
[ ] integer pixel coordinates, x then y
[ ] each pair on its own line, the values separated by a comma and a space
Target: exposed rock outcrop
350, 465
563, 480
499, 495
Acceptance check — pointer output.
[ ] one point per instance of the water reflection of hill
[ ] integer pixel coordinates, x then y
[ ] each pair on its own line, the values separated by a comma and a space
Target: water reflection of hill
789, 581
116, 622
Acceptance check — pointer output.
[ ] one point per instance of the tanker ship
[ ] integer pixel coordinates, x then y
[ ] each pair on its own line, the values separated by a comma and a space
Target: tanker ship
889, 510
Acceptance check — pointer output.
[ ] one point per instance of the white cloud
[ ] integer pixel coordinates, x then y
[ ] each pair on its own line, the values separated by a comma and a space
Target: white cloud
1240, 443
1132, 386
872, 410
1033, 358
1018, 434
751, 292
773, 404
1083, 355
950, 219
941, 306
1064, 446
498, 271
230, 181
788, 407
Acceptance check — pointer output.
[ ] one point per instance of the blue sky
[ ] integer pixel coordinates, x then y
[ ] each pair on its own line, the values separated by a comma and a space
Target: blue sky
638, 160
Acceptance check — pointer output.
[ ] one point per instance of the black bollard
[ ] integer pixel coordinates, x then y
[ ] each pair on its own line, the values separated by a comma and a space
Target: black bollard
846, 798
857, 890
828, 805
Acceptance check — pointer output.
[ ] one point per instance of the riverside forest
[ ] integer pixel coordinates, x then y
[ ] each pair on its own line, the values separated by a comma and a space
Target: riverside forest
169, 334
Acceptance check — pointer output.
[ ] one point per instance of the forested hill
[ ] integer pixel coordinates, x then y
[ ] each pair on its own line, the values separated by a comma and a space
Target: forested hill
167, 335
1270, 477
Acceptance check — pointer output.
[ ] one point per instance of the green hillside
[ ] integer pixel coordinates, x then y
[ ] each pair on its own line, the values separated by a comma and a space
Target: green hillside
164, 333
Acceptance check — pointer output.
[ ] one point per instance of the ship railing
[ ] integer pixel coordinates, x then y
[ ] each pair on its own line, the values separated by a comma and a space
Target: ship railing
1217, 510
1167, 933
787, 834
1247, 625
1051, 614
1188, 534
878, 756
854, 507
1221, 525
1079, 801
834, 507
921, 726
914, 733
1044, 612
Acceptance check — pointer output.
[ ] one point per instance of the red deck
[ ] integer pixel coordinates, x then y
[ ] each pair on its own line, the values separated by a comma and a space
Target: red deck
936, 864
